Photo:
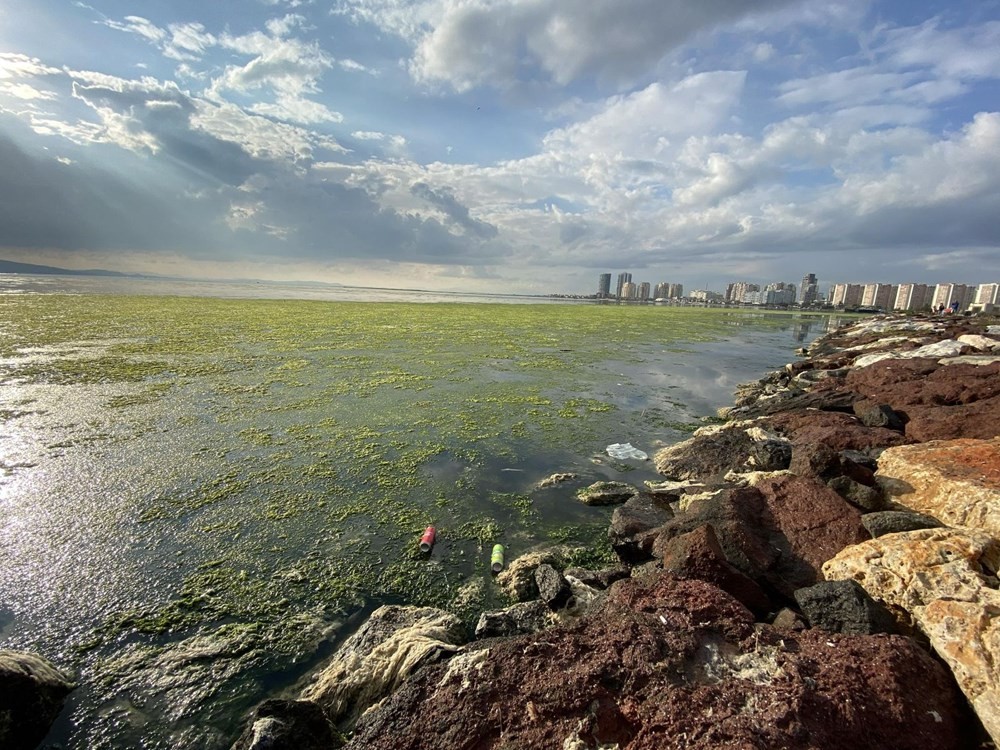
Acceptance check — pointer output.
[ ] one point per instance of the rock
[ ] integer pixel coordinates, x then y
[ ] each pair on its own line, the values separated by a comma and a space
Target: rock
957, 481
841, 432
980, 343
598, 579
606, 493
843, 607
945, 348
879, 415
977, 360
815, 459
861, 459
822, 400
857, 494
633, 525
676, 663
32, 693
519, 619
894, 521
697, 554
288, 725
943, 581
553, 588
387, 649
708, 455
788, 619
777, 532
553, 479
518, 578
771, 455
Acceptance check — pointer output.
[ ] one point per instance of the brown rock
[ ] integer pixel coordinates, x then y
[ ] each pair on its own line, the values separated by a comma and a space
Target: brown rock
943, 582
957, 481
708, 455
697, 554
838, 431
672, 664
633, 527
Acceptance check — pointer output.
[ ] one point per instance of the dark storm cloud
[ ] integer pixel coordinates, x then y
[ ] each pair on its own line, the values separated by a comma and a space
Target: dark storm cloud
445, 200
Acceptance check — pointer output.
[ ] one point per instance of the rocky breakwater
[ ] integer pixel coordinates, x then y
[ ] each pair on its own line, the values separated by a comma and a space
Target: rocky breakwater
819, 571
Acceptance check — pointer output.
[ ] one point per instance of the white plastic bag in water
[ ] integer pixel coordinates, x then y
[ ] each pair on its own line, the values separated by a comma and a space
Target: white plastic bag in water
625, 450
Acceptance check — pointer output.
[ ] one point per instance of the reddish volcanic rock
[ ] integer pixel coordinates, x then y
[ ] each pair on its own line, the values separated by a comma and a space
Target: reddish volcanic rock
778, 532
835, 430
675, 664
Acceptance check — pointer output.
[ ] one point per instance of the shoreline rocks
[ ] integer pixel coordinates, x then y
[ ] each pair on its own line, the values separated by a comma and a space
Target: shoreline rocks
32, 693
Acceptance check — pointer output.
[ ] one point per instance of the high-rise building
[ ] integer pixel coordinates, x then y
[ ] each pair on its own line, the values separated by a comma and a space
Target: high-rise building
604, 286
987, 294
644, 290
846, 295
623, 279
881, 296
912, 297
676, 291
662, 290
945, 294
738, 292
809, 291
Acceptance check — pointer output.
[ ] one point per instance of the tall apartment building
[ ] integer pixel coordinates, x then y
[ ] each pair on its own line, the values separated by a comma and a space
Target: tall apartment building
987, 294
644, 290
662, 290
604, 286
623, 278
676, 291
913, 297
628, 291
945, 294
809, 291
879, 295
739, 290
846, 295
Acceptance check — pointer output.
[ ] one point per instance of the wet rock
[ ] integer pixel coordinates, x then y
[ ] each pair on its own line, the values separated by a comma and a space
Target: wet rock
606, 493
698, 554
879, 415
895, 521
633, 527
32, 693
518, 579
554, 479
519, 619
943, 581
676, 663
857, 494
288, 725
598, 579
955, 481
771, 455
843, 607
708, 455
553, 588
387, 649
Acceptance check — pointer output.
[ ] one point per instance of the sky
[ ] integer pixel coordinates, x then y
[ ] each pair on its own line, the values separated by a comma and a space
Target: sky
521, 146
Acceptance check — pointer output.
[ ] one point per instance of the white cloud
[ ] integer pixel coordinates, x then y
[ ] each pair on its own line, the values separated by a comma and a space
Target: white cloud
140, 26
188, 41
25, 92
14, 65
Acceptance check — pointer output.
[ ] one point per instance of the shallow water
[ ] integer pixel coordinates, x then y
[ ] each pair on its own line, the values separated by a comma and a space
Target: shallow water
200, 496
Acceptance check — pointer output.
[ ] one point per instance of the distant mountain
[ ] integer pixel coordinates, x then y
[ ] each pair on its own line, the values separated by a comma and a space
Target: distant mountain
10, 266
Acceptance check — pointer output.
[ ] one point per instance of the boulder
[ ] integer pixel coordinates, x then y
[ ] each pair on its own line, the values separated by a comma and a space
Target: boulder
778, 532
519, 619
841, 432
879, 415
288, 725
980, 343
771, 455
829, 399
708, 455
553, 588
957, 481
859, 495
633, 527
843, 607
676, 663
518, 579
697, 554
32, 693
606, 493
388, 648
894, 521
553, 479
943, 582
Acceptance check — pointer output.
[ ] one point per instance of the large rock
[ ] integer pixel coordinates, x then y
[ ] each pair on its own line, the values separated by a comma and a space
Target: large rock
957, 481
698, 554
517, 580
943, 581
386, 650
288, 725
553, 588
709, 454
843, 607
632, 530
778, 532
895, 521
606, 493
32, 693
840, 432
518, 619
676, 663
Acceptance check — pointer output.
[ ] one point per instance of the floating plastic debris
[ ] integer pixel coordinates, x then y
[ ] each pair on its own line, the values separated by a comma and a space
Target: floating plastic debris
625, 450
427, 540
496, 559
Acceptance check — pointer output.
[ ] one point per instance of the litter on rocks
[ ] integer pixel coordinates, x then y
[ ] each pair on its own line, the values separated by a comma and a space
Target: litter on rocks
625, 450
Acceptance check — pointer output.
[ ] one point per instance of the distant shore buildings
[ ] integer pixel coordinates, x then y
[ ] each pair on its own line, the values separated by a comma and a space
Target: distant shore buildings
867, 296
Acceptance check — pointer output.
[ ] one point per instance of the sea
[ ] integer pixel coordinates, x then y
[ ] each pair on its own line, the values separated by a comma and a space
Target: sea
206, 486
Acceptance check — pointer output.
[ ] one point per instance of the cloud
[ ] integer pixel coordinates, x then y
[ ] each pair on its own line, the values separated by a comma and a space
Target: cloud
454, 211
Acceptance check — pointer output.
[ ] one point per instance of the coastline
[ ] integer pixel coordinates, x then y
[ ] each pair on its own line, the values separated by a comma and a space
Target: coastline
743, 611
